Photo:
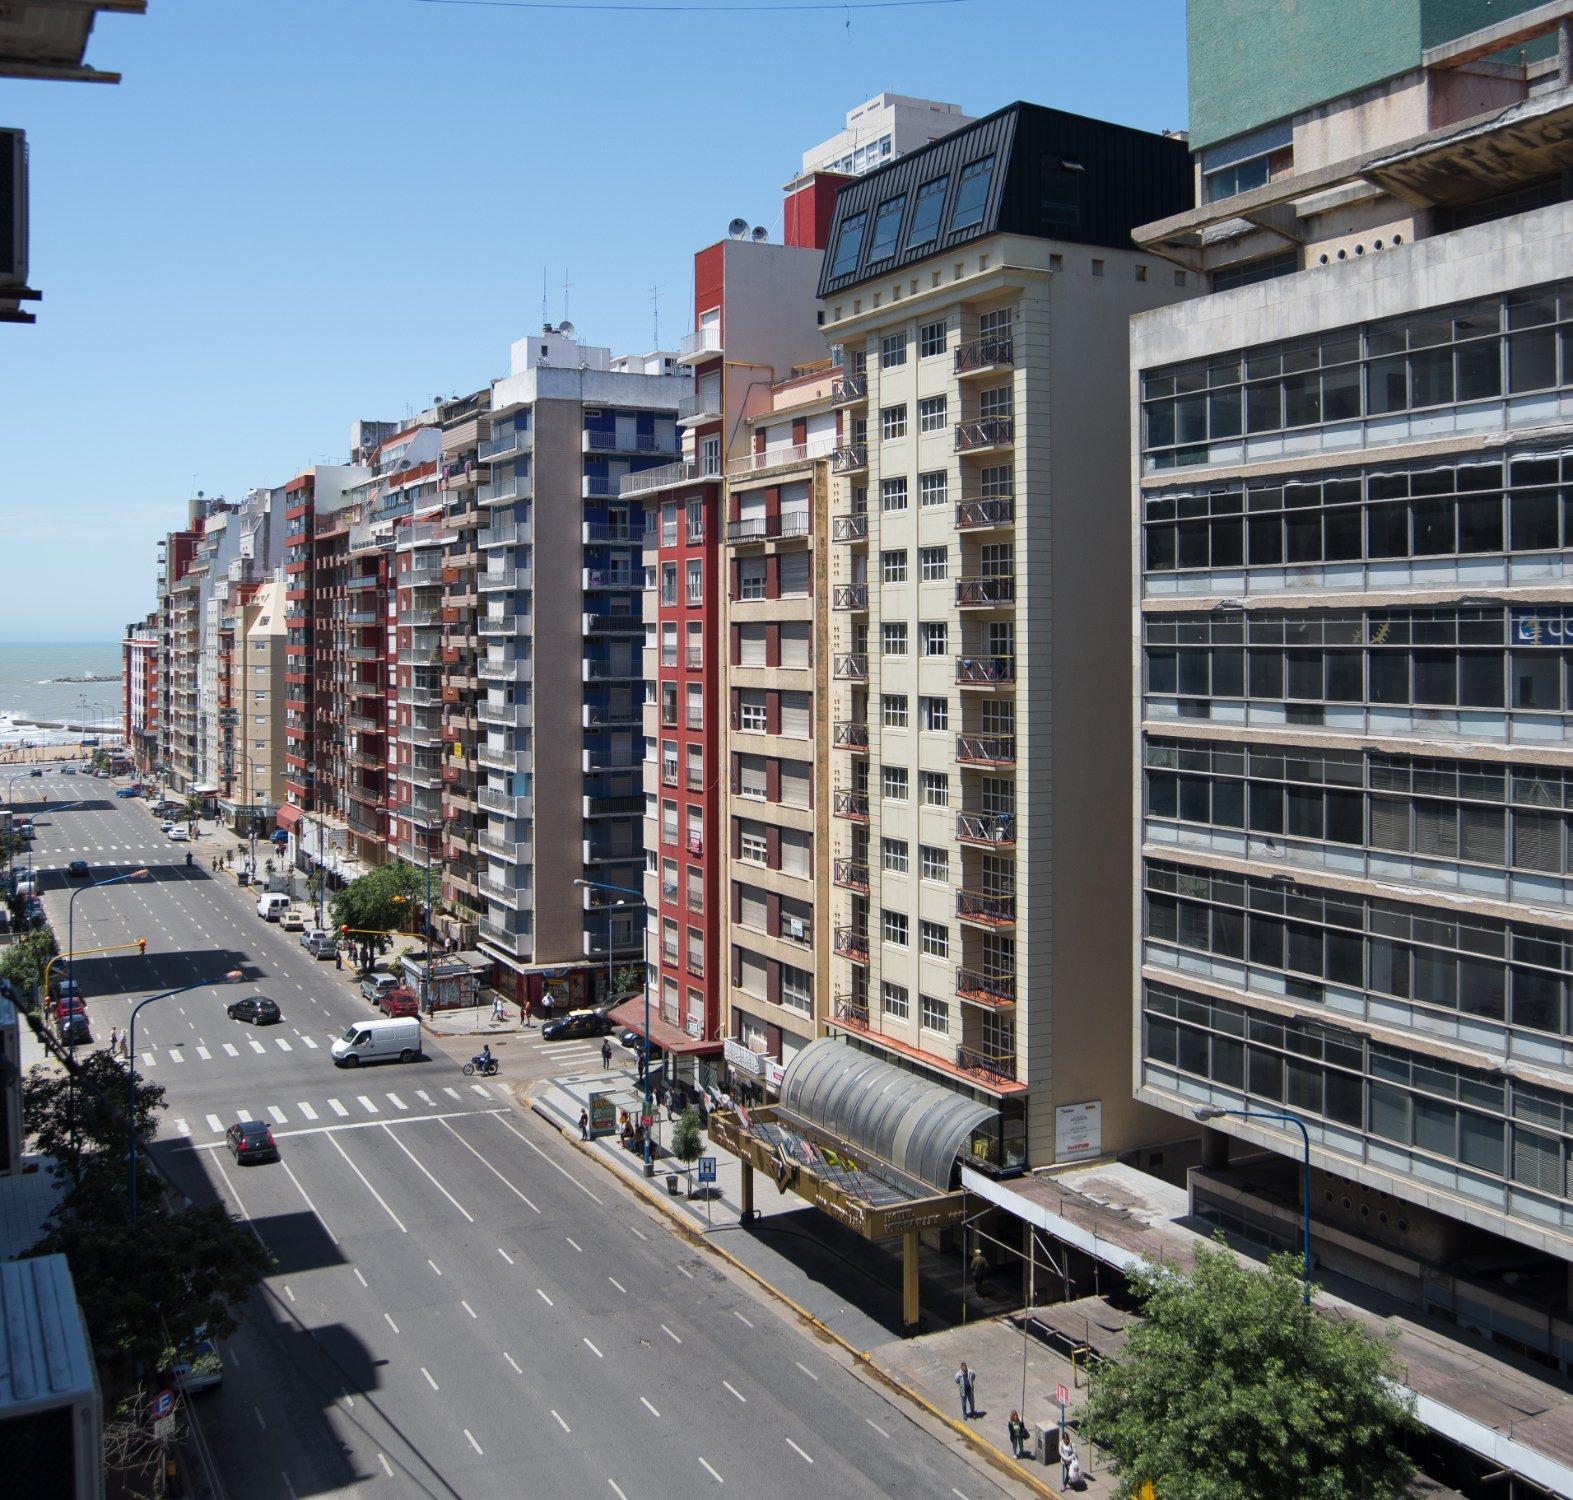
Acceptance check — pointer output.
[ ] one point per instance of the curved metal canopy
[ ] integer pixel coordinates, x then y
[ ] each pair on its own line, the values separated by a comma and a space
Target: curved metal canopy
917, 1127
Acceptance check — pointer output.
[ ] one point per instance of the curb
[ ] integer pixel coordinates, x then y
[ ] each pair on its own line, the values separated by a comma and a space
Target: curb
861, 1357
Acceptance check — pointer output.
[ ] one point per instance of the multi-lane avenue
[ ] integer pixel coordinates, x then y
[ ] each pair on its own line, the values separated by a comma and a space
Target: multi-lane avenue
462, 1304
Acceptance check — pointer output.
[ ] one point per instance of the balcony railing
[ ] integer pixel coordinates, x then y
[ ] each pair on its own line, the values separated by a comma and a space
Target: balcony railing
503, 442
853, 528
782, 457
850, 734
768, 528
848, 390
985, 669
996, 830
985, 354
501, 533
851, 666
687, 471
612, 532
988, 910
986, 432
991, 989
853, 805
694, 656
986, 749
505, 803
504, 715
849, 596
976, 515
702, 343
628, 442
699, 407
851, 874
498, 624
849, 459
985, 593
852, 942
502, 578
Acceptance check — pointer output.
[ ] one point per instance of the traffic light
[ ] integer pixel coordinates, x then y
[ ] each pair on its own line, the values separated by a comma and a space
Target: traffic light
344, 927
142, 947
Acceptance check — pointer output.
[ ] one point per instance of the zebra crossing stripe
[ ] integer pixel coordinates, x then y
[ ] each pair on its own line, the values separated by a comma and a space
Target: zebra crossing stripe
337, 1108
279, 1117
306, 1110
215, 1124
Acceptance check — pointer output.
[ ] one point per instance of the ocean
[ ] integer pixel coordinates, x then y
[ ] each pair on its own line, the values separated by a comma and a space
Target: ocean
31, 690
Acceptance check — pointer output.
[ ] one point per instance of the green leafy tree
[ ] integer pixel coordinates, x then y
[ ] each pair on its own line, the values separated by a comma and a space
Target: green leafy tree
1231, 1389
628, 980
386, 899
24, 962
686, 1140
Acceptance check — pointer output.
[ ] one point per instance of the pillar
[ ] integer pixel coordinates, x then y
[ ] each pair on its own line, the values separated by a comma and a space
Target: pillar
748, 1190
909, 1279
1215, 1149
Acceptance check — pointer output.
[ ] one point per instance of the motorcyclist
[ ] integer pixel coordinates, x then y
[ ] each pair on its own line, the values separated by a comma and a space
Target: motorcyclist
188, 856
483, 1059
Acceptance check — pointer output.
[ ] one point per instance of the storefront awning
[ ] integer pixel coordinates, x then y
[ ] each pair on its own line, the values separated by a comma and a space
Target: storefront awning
667, 1037
289, 816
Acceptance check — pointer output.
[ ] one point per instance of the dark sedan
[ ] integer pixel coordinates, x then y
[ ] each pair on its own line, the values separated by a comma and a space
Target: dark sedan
78, 870
257, 1009
578, 1023
251, 1140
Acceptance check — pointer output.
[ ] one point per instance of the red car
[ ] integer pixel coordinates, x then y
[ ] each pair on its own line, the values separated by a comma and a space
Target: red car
399, 1003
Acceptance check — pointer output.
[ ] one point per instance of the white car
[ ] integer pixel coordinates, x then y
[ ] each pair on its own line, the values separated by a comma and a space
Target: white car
167, 826
179, 835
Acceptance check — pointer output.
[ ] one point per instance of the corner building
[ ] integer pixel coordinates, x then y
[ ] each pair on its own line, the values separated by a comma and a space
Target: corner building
980, 291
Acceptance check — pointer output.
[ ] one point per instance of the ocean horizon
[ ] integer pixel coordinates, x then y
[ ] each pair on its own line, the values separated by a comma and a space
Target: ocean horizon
32, 689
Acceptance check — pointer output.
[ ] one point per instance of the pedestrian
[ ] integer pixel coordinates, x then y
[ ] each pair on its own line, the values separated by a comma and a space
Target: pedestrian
979, 1265
606, 1053
584, 1125
1070, 1465
338, 959
1018, 1434
966, 1384
114, 1041
526, 1011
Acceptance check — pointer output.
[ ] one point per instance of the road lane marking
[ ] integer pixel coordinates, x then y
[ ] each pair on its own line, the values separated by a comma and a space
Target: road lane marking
740, 1318
513, 1362
369, 1188
387, 1468
805, 1369
710, 1469
231, 1050
642, 1235
306, 1109
279, 1117
617, 1489
800, 1453
148, 1060
668, 1332
175, 1056
480, 1088
243, 1115
475, 1445
490, 1168
620, 1287
470, 1310
215, 1124
593, 1350
308, 1041
316, 1212
544, 1298
391, 1324
336, 1107
359, 1277
689, 1274
424, 1097
262, 1421
283, 1044
877, 1428
645, 1401
575, 1243
433, 1264
256, 1046
565, 1427
288, 1293
734, 1390
203, 1053
544, 1157
429, 1381
397, 1102
366, 1104
451, 1093
505, 1255
422, 1165
182, 1127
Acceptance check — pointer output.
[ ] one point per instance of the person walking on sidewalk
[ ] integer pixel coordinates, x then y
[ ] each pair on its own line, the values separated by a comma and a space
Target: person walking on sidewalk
584, 1124
606, 1053
966, 1384
526, 1014
1018, 1434
979, 1266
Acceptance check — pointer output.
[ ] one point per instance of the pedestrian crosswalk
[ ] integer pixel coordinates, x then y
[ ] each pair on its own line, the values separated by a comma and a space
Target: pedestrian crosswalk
305, 1115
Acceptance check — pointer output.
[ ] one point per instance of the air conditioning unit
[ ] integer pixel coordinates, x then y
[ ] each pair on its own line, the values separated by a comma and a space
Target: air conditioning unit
13, 208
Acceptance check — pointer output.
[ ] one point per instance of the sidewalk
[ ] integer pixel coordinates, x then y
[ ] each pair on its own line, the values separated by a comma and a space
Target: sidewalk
921, 1367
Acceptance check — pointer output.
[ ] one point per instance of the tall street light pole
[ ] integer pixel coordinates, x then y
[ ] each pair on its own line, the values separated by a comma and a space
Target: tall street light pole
644, 1057
1214, 1112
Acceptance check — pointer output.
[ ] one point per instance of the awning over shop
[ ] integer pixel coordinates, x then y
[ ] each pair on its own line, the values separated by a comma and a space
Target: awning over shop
667, 1037
918, 1127
289, 816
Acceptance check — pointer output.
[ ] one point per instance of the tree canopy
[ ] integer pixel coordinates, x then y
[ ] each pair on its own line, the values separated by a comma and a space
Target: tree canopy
1231, 1389
24, 961
382, 900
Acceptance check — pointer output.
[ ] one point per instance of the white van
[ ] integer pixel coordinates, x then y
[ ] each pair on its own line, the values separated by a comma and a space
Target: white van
395, 1040
271, 905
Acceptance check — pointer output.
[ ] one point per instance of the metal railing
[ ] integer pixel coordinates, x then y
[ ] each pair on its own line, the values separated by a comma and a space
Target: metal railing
980, 906
852, 942
851, 874
986, 749
850, 734
502, 578
849, 596
503, 442
995, 829
852, 805
687, 471
638, 442
999, 1067
700, 404
768, 528
986, 989
497, 625
853, 528
985, 353
612, 532
775, 458
701, 342
984, 593
985, 669
849, 458
973, 515
851, 666
985, 432
506, 803
848, 389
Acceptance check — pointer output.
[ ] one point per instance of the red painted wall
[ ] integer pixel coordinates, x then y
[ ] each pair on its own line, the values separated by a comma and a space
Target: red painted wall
808, 211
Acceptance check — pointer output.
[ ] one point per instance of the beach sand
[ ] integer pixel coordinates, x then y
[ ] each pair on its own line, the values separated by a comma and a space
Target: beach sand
32, 755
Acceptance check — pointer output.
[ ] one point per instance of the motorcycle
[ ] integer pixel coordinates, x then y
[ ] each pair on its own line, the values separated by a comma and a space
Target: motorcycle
484, 1066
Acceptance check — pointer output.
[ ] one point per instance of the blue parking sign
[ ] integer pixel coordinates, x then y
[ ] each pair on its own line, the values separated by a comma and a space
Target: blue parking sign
707, 1169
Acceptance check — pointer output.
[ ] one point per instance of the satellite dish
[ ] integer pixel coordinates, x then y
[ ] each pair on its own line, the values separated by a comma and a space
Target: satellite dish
760, 234
737, 228
566, 329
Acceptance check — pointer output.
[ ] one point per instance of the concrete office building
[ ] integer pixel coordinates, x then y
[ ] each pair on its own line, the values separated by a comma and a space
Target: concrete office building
139, 674
980, 289
881, 129
1355, 681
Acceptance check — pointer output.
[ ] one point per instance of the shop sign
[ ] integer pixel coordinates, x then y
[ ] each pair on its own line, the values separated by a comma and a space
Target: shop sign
603, 1115
694, 1026
1078, 1130
744, 1059
774, 1072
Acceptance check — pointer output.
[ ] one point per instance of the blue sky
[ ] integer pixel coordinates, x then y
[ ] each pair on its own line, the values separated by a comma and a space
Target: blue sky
293, 213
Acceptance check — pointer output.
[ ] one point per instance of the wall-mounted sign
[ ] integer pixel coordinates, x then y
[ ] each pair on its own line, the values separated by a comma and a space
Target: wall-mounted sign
1078, 1130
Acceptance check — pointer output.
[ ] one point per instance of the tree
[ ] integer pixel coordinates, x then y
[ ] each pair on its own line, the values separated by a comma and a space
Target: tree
382, 900
1231, 1389
628, 980
24, 962
686, 1140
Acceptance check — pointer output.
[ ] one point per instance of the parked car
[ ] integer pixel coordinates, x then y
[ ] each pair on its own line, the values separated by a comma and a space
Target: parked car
257, 1009
78, 870
631, 1039
271, 905
167, 826
319, 943
251, 1140
66, 987
399, 1002
178, 834
577, 1023
68, 1006
374, 986
35, 772
68, 770
292, 920
203, 1369
75, 1032
378, 1041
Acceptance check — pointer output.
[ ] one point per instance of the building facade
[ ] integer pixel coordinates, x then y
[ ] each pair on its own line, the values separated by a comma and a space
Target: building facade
881, 129
140, 651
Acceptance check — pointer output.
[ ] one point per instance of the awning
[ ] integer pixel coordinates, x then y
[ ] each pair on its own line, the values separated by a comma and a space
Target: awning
918, 1127
667, 1037
289, 816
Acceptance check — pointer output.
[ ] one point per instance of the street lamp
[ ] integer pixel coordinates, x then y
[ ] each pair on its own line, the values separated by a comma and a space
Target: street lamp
131, 1079
96, 885
644, 1056
1213, 1112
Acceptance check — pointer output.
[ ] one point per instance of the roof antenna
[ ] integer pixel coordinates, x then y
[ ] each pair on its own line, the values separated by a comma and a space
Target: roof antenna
545, 317
655, 317
567, 284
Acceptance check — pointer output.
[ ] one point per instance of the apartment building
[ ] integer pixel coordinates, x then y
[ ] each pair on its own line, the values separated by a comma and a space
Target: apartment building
1354, 748
881, 129
139, 674
980, 289
562, 796
174, 559
251, 709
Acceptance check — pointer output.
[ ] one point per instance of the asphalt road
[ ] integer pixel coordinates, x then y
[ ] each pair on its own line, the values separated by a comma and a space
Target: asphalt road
462, 1306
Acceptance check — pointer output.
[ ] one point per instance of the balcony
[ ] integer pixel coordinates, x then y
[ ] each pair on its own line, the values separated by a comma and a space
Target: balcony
986, 749
985, 671
517, 762
852, 458
981, 356
850, 734
991, 1066
513, 940
504, 443
850, 666
365, 653
504, 488
850, 874
612, 716
853, 528
849, 390
500, 847
786, 456
985, 434
499, 579
688, 471
502, 533
505, 668
504, 803
610, 852
985, 593
504, 715
611, 578
852, 942
629, 442
984, 910
364, 617
768, 528
984, 514
853, 596
990, 830
499, 624
412, 656
598, 806
613, 623
613, 533
362, 724
851, 805
702, 406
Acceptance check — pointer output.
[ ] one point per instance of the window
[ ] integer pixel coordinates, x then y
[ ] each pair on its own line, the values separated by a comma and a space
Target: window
931, 340
933, 564
696, 581
972, 194
998, 402
934, 864
934, 939
696, 519
696, 645
887, 228
936, 714
751, 778
669, 524
893, 855
668, 822
1059, 197
669, 644
695, 717
797, 989
893, 928
931, 414
893, 710
893, 566
934, 1015
752, 843
669, 705
1097, 267
893, 638
893, 494
926, 210
751, 578
848, 243
936, 637
893, 1000
892, 351
668, 583
933, 488
893, 783
893, 422
751, 712
936, 788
